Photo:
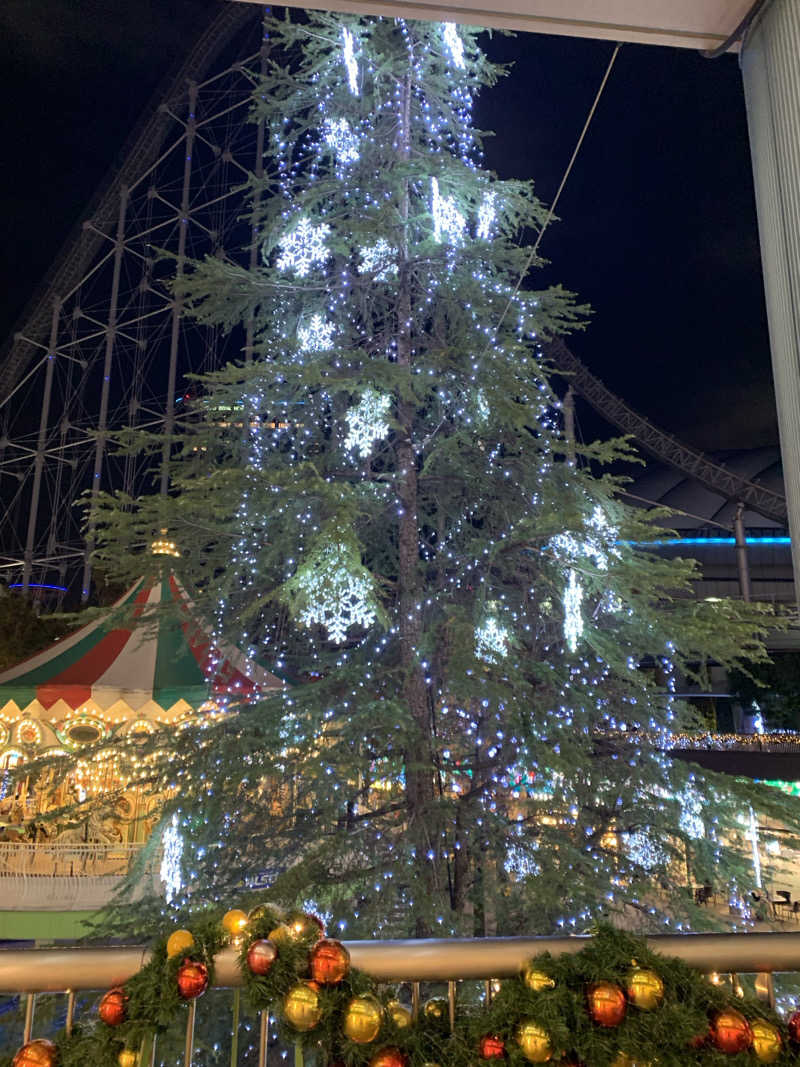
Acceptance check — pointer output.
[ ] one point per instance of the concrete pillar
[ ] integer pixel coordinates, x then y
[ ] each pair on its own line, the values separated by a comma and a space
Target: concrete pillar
771, 71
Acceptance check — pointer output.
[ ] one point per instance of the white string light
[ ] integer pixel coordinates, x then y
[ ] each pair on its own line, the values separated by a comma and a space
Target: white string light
454, 44
171, 856
487, 213
349, 57
448, 222
573, 618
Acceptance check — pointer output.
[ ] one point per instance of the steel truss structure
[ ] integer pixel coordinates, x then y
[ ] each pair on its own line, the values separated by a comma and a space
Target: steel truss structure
104, 345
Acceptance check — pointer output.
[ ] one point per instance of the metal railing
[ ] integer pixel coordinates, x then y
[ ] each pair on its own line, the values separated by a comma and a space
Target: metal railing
32, 971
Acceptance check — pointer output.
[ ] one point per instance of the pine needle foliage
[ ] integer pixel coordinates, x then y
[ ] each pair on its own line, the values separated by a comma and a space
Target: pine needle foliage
377, 502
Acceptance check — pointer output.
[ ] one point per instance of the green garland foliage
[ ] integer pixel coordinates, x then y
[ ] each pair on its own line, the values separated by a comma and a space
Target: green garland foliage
665, 1036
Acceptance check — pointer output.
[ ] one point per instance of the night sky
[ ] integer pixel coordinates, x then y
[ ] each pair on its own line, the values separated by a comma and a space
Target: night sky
658, 233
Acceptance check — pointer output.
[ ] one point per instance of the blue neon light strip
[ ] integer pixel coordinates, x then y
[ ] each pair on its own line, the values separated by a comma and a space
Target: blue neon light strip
712, 541
37, 585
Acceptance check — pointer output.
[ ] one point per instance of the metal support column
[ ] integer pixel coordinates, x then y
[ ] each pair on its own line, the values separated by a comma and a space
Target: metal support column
177, 302
741, 552
41, 442
568, 407
258, 169
102, 421
771, 71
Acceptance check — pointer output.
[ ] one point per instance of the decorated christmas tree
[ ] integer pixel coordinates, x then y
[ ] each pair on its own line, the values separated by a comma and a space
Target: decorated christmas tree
378, 503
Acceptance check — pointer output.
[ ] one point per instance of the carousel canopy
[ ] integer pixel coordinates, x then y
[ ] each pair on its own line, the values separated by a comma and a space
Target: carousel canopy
156, 668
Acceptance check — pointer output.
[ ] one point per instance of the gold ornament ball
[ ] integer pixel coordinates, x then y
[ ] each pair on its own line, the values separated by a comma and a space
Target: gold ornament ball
537, 980
179, 941
767, 1041
234, 921
645, 989
399, 1014
127, 1058
363, 1018
534, 1041
280, 933
436, 1010
301, 1006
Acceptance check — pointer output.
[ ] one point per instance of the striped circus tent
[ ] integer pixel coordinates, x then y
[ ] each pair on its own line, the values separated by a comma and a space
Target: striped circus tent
114, 675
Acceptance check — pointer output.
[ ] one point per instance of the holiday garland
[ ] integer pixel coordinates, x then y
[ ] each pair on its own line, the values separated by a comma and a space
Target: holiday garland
613, 1004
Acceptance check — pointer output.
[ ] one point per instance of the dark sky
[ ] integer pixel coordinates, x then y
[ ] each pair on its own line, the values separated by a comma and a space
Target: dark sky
658, 232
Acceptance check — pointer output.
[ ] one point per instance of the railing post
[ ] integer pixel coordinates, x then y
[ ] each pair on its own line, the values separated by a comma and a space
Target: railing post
70, 1010
30, 1000
188, 1050
235, 1028
263, 1039
765, 988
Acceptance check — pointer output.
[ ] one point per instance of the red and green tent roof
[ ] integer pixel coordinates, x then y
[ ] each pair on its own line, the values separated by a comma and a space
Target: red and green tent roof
160, 660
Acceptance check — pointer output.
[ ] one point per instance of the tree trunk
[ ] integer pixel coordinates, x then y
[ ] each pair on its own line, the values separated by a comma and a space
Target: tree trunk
420, 791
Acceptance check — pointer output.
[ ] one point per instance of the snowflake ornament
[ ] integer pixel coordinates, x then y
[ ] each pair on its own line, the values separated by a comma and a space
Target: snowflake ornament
316, 335
379, 258
491, 640
338, 594
304, 247
448, 222
339, 137
367, 422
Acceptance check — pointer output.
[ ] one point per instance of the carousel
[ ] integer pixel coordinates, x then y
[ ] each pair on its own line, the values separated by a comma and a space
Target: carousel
131, 670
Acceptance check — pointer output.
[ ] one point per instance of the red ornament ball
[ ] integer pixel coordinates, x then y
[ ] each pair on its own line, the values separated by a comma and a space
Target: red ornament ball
491, 1047
701, 1040
329, 961
192, 979
607, 1004
114, 1007
389, 1057
261, 955
794, 1027
38, 1053
731, 1032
